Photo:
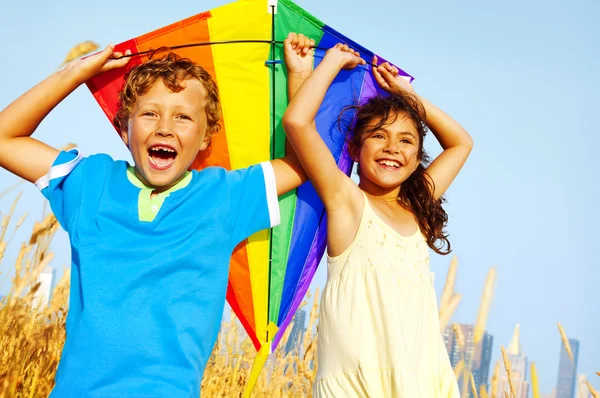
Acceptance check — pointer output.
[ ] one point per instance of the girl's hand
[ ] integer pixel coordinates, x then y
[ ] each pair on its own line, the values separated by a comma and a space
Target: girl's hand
298, 55
86, 68
388, 79
347, 56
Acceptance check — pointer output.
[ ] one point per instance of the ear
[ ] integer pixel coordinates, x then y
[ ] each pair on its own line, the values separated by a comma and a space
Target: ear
206, 142
353, 150
125, 137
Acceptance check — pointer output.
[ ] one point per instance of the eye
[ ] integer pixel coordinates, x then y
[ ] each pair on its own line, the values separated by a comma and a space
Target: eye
377, 135
148, 113
406, 141
183, 117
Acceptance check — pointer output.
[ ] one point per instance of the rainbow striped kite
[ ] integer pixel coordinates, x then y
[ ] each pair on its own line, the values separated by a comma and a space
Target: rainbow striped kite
240, 45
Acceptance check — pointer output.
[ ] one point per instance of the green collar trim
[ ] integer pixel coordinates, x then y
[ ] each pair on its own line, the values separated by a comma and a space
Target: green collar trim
149, 205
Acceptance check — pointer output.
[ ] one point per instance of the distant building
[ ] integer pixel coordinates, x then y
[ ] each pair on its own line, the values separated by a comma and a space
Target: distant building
582, 390
567, 370
550, 395
518, 369
41, 298
479, 356
297, 334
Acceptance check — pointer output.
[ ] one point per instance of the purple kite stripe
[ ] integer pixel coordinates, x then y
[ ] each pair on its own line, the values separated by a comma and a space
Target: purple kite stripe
345, 90
308, 207
317, 248
316, 253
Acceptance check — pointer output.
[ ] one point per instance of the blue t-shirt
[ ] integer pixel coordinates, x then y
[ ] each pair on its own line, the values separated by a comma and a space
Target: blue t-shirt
149, 273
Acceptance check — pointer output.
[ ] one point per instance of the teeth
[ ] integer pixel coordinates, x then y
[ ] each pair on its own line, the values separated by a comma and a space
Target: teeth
162, 148
389, 163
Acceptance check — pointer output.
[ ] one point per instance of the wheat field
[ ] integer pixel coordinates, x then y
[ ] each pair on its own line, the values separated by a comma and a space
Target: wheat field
32, 338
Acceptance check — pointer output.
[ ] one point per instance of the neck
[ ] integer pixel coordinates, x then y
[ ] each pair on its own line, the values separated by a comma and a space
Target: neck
380, 193
156, 190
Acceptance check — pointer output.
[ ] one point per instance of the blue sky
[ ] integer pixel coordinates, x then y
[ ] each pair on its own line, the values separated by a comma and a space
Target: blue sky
520, 76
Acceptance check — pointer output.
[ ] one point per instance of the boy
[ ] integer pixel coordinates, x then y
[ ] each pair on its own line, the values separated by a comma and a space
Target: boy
150, 244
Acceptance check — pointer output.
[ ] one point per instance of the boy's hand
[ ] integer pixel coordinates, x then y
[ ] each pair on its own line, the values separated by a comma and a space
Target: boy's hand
298, 54
86, 68
347, 56
388, 79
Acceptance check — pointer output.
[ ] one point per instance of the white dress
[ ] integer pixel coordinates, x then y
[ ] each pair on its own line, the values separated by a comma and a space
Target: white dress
379, 332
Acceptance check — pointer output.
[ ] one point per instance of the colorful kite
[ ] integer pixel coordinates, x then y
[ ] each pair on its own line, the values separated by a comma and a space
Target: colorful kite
240, 45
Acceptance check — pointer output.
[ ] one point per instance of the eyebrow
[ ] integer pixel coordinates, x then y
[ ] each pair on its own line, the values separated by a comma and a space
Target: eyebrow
402, 133
159, 104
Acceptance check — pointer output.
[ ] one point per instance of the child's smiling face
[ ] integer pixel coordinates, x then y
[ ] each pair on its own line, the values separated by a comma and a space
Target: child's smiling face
166, 130
389, 155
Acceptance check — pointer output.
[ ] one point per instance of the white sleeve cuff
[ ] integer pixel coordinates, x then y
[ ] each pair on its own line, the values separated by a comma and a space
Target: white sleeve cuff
272, 199
61, 170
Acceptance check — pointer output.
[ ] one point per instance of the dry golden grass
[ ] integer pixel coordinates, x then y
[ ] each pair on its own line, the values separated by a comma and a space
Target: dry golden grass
79, 50
32, 339
592, 390
473, 388
484, 306
535, 388
449, 299
482, 391
565, 340
495, 381
507, 367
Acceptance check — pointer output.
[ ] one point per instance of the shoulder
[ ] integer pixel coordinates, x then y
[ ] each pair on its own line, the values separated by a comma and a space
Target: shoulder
102, 159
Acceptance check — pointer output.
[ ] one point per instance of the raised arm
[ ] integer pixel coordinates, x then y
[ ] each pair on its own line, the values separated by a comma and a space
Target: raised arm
299, 60
454, 139
27, 157
318, 162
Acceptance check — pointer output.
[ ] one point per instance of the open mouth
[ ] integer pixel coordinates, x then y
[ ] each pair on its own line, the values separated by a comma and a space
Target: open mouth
389, 164
161, 156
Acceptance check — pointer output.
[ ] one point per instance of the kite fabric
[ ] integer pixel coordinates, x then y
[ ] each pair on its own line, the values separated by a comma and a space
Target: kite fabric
240, 45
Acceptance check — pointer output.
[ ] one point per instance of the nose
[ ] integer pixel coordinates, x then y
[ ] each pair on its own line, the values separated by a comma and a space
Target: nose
164, 128
392, 147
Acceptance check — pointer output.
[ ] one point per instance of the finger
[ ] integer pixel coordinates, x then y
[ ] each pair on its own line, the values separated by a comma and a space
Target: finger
293, 40
301, 40
387, 75
378, 78
301, 44
312, 43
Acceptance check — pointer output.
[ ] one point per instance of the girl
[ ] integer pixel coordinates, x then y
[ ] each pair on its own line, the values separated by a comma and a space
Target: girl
379, 330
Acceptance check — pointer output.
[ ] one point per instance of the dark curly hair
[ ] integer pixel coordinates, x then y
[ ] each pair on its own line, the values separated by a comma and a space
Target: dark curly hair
416, 194
172, 70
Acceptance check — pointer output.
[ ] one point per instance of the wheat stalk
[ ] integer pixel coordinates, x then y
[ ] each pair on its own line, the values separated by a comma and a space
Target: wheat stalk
458, 368
507, 367
79, 50
495, 380
473, 388
448, 290
484, 306
592, 390
482, 392
565, 341
448, 311
535, 388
